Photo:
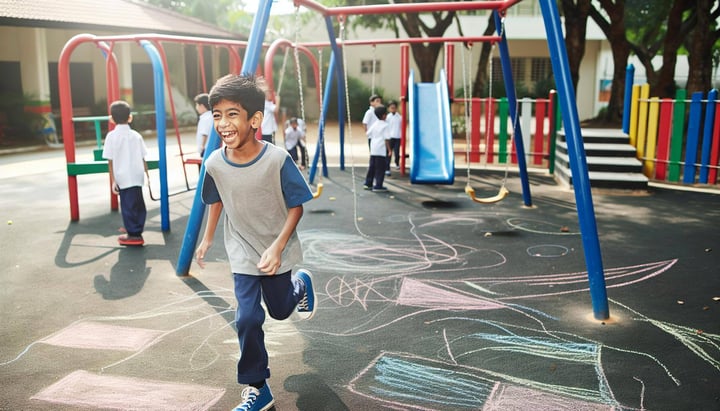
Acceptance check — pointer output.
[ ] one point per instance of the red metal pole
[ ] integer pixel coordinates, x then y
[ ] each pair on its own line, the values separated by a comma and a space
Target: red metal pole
112, 85
404, 75
450, 69
66, 114
410, 40
406, 7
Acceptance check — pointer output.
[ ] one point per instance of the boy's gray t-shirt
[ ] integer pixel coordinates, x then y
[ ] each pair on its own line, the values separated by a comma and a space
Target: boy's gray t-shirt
256, 197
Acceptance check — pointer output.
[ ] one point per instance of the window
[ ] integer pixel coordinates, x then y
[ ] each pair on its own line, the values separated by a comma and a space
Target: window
518, 69
540, 69
10, 78
366, 66
81, 85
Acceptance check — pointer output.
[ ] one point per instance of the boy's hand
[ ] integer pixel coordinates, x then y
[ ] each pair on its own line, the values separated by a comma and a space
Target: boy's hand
115, 188
270, 261
200, 253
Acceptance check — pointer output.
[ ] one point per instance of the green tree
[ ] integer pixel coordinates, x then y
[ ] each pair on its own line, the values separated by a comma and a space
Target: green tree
651, 28
425, 55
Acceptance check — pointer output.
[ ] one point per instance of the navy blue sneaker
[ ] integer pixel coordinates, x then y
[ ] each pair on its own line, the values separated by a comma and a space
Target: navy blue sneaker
307, 304
254, 399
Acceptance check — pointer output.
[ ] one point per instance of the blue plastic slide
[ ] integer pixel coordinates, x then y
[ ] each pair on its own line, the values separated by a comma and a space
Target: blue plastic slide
432, 157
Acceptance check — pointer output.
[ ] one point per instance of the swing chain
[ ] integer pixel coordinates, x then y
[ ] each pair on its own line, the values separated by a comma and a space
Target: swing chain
296, 55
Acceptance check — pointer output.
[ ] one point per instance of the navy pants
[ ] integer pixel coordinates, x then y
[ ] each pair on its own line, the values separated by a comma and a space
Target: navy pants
394, 151
281, 293
376, 171
132, 208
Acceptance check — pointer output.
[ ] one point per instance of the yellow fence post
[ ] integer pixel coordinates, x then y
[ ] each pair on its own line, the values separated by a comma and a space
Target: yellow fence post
652, 131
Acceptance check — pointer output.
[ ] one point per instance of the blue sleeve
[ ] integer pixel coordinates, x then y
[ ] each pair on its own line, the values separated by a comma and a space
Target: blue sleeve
295, 188
210, 193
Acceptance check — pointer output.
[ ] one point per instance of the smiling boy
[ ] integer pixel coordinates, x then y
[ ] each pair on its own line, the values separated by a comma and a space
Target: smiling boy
262, 192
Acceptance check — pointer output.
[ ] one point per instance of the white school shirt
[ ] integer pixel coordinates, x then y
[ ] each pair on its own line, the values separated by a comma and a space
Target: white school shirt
127, 150
269, 125
204, 128
369, 118
394, 121
378, 133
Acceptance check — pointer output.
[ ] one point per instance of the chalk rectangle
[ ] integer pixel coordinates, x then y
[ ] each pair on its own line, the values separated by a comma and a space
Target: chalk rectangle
82, 388
98, 336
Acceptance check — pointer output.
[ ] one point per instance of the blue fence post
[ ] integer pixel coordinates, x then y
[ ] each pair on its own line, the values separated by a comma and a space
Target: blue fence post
693, 136
627, 102
578, 162
707, 136
252, 56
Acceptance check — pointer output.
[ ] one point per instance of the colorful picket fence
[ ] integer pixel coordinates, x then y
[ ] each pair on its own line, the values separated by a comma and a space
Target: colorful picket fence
678, 140
492, 131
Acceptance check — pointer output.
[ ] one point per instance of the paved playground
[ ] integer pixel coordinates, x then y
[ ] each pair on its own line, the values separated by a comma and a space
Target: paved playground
426, 300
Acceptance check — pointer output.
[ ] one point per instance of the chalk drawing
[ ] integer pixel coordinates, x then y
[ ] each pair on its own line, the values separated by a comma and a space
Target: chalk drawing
700, 343
407, 381
538, 227
85, 389
547, 250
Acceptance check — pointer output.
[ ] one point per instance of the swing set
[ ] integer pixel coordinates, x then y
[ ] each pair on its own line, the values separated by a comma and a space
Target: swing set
152, 44
563, 82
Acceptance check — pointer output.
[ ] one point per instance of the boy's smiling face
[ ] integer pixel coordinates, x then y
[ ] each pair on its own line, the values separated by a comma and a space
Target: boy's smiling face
232, 123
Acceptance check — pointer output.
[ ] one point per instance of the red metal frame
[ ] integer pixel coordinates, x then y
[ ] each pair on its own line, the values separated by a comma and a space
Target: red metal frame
499, 5
106, 43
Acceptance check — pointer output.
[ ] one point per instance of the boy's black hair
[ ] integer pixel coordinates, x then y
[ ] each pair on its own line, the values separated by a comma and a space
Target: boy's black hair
293, 120
392, 103
375, 97
246, 90
380, 111
120, 112
203, 100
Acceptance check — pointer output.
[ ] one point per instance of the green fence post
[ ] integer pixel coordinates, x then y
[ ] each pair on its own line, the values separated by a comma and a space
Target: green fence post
503, 136
677, 137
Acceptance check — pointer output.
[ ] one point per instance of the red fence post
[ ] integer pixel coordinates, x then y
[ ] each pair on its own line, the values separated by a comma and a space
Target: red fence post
475, 132
539, 143
715, 151
489, 130
663, 142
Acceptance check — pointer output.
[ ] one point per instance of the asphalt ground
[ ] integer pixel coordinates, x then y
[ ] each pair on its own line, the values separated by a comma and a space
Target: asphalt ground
426, 300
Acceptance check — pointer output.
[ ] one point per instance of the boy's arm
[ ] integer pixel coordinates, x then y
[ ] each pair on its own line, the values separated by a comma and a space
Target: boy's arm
271, 259
113, 186
214, 212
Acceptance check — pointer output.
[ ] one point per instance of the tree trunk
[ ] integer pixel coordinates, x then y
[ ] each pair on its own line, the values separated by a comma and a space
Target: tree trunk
700, 49
614, 30
576, 14
426, 55
663, 83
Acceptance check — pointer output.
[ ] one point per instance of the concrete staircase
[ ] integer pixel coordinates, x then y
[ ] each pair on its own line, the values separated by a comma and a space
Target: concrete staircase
611, 160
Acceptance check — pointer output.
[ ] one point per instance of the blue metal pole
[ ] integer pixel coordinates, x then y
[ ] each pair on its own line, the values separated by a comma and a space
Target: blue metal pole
578, 162
336, 52
321, 125
627, 103
160, 121
252, 56
512, 100
707, 136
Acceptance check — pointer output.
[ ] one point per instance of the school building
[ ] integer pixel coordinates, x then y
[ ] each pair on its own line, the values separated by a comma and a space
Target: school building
35, 32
